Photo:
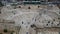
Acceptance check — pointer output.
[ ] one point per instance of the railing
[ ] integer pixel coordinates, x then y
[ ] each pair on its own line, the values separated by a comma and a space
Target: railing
35, 2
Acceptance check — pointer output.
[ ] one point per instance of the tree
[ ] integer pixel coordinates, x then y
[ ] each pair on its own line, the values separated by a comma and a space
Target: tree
1, 4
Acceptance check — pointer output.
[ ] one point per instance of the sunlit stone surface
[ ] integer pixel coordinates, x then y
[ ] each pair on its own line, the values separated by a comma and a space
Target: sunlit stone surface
42, 16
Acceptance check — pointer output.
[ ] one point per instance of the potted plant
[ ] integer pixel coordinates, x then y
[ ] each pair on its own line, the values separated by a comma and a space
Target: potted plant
5, 30
0, 33
11, 32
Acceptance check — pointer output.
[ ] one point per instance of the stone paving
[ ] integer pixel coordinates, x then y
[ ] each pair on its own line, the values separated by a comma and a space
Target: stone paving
26, 15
